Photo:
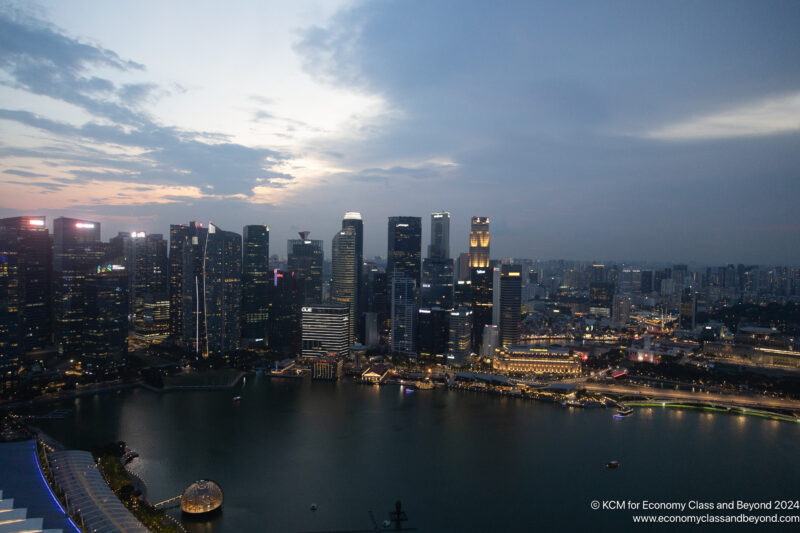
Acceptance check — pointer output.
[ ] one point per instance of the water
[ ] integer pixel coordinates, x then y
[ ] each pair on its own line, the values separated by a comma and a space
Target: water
459, 461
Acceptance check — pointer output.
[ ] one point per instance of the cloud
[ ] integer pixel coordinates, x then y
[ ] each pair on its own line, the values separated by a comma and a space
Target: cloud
766, 116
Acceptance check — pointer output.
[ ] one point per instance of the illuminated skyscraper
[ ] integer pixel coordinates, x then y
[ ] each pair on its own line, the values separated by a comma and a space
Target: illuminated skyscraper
510, 303
437, 268
77, 251
10, 304
344, 289
326, 330
479, 243
460, 332
404, 314
256, 279
353, 220
185, 273
222, 278
404, 248
482, 283
105, 329
35, 264
305, 257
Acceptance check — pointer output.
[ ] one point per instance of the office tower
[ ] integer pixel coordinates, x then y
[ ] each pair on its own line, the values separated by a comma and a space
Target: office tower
284, 315
622, 309
533, 277
510, 304
10, 302
305, 257
460, 332
496, 296
344, 285
353, 220
482, 280
404, 248
479, 243
34, 270
326, 330
105, 328
490, 341
646, 281
184, 245
404, 313
146, 269
381, 303
256, 279
439, 248
462, 266
77, 250
437, 283
433, 332
222, 280
462, 293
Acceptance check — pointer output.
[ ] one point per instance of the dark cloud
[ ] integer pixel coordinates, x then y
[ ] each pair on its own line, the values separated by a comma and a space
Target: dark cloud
23, 173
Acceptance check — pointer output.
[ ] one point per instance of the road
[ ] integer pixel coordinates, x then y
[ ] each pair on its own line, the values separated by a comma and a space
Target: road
727, 400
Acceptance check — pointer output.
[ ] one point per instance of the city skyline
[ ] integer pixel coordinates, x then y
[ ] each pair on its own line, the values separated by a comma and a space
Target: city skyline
634, 136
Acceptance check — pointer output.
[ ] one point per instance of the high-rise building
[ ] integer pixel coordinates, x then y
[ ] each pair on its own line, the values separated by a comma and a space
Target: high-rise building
344, 288
479, 243
404, 248
460, 332
256, 279
34, 270
439, 248
482, 283
144, 257
77, 250
306, 258
621, 310
10, 303
284, 315
185, 265
404, 314
462, 293
601, 297
437, 283
433, 332
510, 303
326, 330
354, 220
105, 328
688, 309
490, 341
222, 280
462, 266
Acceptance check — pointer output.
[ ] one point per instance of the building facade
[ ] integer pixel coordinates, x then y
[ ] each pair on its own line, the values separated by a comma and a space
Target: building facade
326, 330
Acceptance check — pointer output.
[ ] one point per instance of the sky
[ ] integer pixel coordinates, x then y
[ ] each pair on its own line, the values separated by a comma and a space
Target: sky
654, 131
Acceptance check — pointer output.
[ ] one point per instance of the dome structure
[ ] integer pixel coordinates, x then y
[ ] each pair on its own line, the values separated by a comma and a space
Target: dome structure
203, 496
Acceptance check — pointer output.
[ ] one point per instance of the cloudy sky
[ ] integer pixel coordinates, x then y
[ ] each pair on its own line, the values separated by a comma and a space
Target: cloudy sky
585, 130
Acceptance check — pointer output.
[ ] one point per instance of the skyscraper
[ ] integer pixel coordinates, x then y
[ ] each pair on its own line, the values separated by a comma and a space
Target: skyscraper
305, 257
404, 247
344, 289
510, 303
353, 220
404, 314
439, 248
222, 280
479, 243
77, 250
10, 303
460, 332
482, 283
105, 328
284, 315
256, 278
326, 330
35, 265
185, 265
433, 332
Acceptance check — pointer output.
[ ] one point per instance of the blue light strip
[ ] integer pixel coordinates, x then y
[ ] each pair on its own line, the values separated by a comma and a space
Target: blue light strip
52, 495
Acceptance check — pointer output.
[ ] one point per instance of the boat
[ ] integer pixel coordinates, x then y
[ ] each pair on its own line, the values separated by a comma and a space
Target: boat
237, 399
129, 456
424, 384
612, 464
314, 506
624, 410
